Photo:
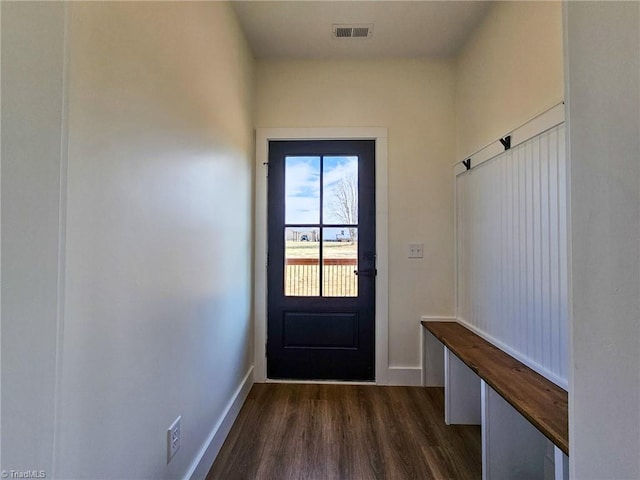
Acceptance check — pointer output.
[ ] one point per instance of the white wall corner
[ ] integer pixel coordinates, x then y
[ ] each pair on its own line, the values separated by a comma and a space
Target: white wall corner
415, 375
209, 451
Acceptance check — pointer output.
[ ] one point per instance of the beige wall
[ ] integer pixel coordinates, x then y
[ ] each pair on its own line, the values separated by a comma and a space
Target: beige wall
156, 271
510, 69
414, 100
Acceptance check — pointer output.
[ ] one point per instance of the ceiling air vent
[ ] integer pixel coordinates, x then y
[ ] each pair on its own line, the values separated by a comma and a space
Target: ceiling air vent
353, 31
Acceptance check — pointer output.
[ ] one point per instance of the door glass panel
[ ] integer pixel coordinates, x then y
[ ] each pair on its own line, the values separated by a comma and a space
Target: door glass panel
340, 184
339, 261
301, 260
302, 190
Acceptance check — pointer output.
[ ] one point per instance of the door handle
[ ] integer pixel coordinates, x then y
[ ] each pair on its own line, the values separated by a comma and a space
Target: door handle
369, 272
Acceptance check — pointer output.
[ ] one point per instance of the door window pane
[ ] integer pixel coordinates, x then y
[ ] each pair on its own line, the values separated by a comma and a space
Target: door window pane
340, 184
302, 190
301, 260
339, 262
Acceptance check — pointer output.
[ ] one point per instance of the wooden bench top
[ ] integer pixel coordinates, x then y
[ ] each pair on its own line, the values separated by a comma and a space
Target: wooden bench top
539, 400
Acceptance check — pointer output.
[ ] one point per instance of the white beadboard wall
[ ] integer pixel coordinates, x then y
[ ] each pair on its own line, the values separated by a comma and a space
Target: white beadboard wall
512, 257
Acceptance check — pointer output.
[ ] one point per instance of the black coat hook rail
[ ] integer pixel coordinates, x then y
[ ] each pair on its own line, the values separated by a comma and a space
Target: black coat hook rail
506, 142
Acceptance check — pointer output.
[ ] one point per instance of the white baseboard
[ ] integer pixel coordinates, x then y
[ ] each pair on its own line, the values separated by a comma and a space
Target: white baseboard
211, 447
404, 376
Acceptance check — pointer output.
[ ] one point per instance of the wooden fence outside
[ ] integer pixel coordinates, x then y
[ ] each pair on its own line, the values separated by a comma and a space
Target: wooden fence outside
302, 277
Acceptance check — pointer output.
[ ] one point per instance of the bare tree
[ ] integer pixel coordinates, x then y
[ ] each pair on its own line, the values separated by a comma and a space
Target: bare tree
343, 203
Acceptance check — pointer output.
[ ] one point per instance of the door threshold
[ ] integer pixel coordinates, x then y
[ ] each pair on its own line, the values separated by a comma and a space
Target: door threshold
321, 382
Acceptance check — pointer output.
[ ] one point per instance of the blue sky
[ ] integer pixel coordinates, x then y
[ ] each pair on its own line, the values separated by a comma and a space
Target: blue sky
302, 186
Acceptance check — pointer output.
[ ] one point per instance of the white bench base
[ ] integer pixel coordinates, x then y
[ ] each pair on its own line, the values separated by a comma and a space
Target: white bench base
512, 448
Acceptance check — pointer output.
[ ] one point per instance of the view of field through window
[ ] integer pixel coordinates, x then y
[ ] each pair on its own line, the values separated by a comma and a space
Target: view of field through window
318, 187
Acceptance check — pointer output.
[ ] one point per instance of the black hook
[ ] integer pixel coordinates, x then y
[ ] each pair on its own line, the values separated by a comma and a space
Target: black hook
467, 163
506, 142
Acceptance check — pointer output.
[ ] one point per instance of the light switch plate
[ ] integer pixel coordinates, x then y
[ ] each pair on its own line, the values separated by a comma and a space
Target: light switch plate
173, 438
416, 250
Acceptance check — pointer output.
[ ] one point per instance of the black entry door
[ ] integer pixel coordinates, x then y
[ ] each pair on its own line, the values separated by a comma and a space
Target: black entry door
321, 260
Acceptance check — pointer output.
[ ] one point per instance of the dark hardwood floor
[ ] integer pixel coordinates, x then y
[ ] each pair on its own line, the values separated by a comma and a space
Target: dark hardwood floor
325, 432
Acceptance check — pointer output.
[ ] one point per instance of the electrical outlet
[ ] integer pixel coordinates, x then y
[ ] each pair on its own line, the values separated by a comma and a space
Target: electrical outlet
416, 250
173, 439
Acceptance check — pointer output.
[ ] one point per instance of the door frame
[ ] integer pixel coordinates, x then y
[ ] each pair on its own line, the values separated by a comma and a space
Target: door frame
263, 136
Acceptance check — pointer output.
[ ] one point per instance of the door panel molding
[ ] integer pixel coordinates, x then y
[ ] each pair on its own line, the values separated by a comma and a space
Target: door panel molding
263, 136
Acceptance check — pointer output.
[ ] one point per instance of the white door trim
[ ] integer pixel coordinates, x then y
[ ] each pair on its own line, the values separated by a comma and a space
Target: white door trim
263, 135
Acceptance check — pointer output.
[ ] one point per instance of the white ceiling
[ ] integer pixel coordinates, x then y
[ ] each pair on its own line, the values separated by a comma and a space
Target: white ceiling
303, 28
